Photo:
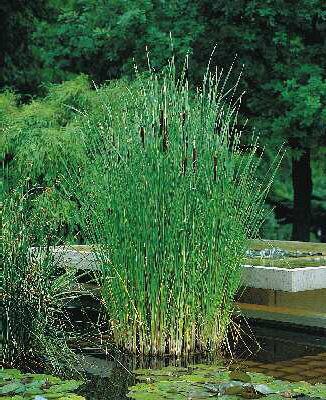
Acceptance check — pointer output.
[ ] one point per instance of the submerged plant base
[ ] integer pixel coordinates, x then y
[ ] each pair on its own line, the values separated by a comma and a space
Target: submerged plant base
210, 381
15, 385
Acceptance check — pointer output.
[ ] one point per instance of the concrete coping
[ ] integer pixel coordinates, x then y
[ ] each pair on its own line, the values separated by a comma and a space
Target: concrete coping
287, 280
260, 277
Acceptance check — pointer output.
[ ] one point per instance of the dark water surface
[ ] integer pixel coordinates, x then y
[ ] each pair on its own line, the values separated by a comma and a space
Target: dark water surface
285, 352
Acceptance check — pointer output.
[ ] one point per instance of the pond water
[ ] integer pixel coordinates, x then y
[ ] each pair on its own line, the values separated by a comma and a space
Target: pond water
277, 350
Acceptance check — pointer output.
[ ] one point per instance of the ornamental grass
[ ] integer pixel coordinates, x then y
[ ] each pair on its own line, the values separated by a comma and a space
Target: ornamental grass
35, 291
168, 201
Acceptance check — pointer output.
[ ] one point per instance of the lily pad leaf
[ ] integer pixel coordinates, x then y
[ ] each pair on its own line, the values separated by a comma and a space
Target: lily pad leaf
10, 373
13, 387
240, 376
264, 389
67, 386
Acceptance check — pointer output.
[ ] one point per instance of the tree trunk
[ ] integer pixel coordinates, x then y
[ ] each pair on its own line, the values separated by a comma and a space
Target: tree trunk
302, 190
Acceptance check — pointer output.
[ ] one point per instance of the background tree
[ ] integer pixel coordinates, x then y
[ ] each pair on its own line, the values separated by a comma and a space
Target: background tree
104, 39
283, 49
18, 64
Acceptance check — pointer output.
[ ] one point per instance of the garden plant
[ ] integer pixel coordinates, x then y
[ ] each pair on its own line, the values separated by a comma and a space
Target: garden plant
168, 201
36, 289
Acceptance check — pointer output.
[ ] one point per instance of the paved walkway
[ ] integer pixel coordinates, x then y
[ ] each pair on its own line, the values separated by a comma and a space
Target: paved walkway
308, 368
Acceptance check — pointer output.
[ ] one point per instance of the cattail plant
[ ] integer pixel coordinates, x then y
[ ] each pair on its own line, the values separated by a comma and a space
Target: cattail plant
168, 202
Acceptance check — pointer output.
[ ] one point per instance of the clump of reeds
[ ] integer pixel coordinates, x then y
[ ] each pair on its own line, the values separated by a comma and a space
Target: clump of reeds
169, 201
34, 293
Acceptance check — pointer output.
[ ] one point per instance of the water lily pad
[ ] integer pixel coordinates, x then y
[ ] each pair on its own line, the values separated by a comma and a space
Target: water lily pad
212, 381
167, 371
280, 386
318, 390
230, 397
199, 394
67, 386
264, 389
44, 377
258, 377
52, 396
17, 386
10, 373
146, 396
195, 378
12, 388
236, 390
276, 396
231, 387
240, 376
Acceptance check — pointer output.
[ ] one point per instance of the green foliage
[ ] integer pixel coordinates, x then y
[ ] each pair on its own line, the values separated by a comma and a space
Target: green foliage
35, 139
102, 38
35, 291
168, 202
16, 385
281, 46
207, 381
304, 98
282, 49
19, 68
42, 140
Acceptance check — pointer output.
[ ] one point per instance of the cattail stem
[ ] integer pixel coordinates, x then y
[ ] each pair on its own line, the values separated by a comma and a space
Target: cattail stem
183, 118
142, 136
215, 168
194, 158
184, 165
164, 131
